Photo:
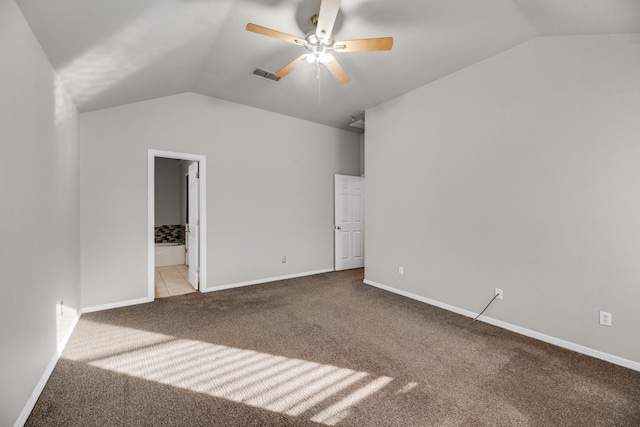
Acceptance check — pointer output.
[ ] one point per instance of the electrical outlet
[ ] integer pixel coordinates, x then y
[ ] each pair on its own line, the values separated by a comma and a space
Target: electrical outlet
400, 270
605, 318
61, 307
499, 293
284, 259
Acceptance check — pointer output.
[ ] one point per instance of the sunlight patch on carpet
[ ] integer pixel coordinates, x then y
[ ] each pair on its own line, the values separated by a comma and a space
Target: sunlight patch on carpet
325, 393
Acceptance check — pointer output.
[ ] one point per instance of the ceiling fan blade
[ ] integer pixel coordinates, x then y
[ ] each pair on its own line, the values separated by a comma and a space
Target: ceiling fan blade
327, 17
273, 33
338, 72
364, 45
290, 66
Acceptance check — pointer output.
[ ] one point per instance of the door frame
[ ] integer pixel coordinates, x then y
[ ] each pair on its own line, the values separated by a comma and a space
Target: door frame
151, 210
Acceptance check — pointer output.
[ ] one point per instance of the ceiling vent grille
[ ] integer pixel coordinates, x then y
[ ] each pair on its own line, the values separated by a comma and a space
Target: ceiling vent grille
265, 74
357, 121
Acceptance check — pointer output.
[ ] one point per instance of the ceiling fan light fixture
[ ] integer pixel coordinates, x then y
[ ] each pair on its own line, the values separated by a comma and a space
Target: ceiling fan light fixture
320, 43
319, 55
326, 58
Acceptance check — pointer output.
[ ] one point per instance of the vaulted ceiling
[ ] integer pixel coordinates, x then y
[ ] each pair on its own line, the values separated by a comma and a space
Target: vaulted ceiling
114, 52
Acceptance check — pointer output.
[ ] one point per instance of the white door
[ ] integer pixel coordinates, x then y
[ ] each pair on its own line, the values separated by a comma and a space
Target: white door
194, 225
349, 222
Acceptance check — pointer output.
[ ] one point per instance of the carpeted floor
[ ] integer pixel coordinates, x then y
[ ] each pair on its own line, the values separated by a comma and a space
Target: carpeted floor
321, 350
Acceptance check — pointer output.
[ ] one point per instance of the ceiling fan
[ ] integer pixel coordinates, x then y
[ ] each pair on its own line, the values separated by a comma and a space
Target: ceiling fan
320, 43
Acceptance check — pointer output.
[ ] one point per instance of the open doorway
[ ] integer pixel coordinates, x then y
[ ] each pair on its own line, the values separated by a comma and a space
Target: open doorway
176, 223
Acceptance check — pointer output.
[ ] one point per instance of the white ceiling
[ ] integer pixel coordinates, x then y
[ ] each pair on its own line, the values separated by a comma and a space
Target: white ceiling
114, 52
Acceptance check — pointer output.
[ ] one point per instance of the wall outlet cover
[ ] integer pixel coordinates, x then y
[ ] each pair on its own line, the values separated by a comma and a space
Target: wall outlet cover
606, 319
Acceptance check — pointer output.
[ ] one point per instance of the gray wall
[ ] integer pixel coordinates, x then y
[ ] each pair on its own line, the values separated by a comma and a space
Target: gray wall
362, 155
39, 222
167, 191
269, 190
520, 172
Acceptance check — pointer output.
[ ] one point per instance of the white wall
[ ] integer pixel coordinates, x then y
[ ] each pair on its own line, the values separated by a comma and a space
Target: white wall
39, 222
521, 172
167, 198
269, 183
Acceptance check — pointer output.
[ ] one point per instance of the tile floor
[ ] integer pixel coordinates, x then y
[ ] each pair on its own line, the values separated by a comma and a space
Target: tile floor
172, 280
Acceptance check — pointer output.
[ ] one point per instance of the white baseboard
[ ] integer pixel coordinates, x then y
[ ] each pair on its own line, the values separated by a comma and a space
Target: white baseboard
270, 279
517, 329
115, 305
28, 407
211, 289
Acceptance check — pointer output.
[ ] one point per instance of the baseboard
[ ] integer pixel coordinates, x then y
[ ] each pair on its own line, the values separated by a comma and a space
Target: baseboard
270, 279
517, 329
212, 289
115, 305
28, 407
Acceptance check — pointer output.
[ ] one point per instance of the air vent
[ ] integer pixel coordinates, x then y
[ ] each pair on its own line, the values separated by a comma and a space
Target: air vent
265, 74
357, 121
357, 124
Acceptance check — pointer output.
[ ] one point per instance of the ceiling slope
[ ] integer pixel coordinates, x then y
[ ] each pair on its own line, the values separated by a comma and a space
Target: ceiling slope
115, 52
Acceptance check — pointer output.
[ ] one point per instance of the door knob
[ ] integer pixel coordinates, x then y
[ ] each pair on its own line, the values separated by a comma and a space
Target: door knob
338, 227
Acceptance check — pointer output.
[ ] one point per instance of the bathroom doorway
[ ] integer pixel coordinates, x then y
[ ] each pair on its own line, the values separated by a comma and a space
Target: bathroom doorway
176, 223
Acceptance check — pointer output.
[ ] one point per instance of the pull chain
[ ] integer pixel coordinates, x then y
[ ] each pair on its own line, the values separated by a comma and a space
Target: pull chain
318, 78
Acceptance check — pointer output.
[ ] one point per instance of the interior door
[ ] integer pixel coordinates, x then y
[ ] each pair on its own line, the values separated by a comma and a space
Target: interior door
349, 222
194, 225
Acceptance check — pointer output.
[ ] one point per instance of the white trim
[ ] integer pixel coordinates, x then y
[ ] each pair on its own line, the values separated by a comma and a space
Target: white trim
448, 307
202, 171
28, 407
616, 360
115, 305
151, 224
270, 279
